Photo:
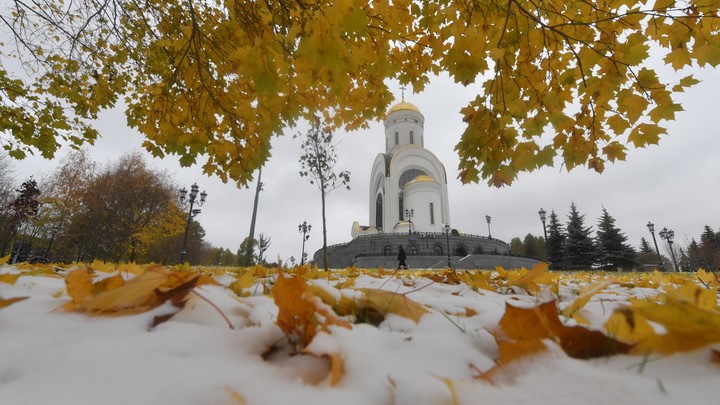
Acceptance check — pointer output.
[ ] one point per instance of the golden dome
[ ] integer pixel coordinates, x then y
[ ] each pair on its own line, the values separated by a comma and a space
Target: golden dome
403, 106
423, 177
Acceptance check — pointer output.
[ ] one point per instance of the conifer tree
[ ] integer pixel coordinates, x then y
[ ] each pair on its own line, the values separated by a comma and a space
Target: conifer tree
612, 249
645, 246
710, 248
579, 249
554, 248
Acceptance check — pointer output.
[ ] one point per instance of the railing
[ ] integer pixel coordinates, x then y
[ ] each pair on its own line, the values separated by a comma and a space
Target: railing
431, 235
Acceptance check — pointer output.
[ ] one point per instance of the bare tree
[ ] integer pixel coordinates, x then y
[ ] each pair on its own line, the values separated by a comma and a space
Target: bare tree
317, 163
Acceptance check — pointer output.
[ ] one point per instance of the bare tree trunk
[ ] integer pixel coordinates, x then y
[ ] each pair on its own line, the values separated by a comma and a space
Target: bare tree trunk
325, 252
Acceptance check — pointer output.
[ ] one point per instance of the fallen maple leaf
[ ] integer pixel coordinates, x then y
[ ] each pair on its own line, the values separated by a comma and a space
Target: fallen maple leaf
390, 302
687, 325
9, 301
522, 331
585, 295
9, 278
532, 279
299, 310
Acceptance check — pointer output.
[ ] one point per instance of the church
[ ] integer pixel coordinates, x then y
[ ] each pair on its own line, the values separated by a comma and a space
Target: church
409, 207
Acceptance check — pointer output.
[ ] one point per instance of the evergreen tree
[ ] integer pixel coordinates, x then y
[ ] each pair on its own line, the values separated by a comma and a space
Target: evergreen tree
612, 249
645, 246
710, 248
554, 247
579, 249
695, 256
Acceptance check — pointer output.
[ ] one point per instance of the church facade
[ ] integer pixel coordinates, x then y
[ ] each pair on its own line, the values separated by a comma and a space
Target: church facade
409, 207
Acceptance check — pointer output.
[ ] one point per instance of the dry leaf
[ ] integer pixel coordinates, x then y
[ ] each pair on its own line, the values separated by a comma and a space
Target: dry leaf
137, 295
237, 398
386, 301
585, 295
9, 301
79, 285
9, 278
688, 326
522, 331
337, 368
532, 279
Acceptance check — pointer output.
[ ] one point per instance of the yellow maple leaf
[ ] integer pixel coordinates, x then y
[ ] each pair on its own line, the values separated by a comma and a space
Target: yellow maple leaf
4, 260
531, 280
135, 296
9, 278
585, 295
389, 302
687, 325
9, 301
79, 285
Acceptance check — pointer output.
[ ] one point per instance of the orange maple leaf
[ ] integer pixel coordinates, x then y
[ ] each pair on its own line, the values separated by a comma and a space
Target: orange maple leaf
522, 331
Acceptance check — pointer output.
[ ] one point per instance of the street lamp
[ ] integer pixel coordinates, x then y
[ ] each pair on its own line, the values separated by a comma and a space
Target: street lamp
542, 218
487, 218
191, 199
651, 228
669, 235
408, 215
55, 229
304, 229
447, 239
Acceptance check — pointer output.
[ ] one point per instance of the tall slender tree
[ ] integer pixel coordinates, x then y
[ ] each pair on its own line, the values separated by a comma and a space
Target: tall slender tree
612, 248
579, 249
555, 246
317, 164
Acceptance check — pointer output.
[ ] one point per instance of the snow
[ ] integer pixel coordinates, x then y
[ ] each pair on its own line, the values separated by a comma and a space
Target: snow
53, 356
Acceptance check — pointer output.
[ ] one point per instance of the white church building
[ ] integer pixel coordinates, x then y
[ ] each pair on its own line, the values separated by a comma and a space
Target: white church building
408, 183
408, 207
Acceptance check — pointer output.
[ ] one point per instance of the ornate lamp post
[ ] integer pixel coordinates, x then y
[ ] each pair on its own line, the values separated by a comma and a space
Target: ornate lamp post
447, 239
487, 218
304, 229
191, 199
651, 228
669, 235
542, 218
408, 215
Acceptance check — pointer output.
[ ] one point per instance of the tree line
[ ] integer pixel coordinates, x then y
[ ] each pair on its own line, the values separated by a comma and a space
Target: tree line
123, 211
571, 246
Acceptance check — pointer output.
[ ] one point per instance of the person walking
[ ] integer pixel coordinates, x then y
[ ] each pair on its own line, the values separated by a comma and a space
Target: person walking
401, 258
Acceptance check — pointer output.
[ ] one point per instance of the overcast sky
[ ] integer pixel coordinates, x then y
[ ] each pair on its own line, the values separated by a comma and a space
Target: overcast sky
675, 184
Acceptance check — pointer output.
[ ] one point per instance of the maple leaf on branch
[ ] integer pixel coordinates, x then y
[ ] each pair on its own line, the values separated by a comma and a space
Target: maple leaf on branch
219, 80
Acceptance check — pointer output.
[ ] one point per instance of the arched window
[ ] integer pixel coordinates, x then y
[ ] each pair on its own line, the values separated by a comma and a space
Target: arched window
379, 211
461, 251
432, 214
397, 138
412, 137
437, 250
412, 249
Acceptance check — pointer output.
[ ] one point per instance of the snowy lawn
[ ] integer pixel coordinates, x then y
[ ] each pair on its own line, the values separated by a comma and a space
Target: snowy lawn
89, 334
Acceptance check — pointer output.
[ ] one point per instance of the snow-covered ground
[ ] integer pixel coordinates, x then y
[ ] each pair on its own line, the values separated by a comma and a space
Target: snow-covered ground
52, 355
